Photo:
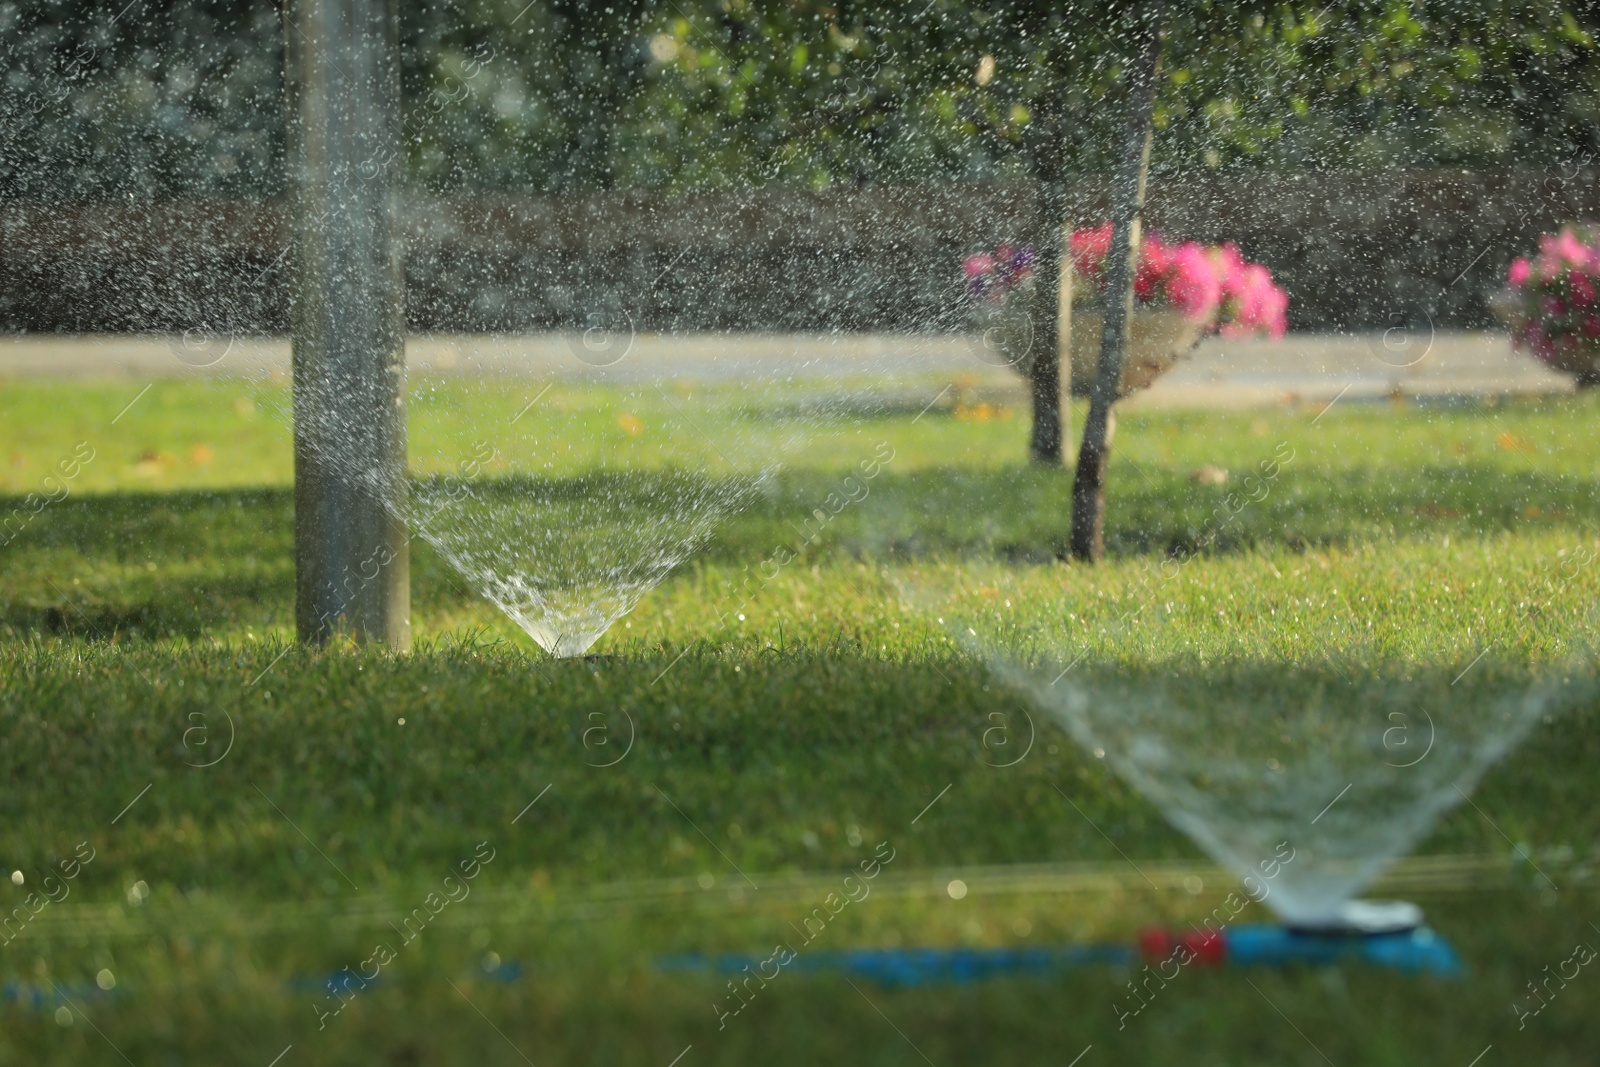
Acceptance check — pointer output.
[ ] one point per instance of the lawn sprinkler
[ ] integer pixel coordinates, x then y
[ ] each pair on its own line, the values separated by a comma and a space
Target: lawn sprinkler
1388, 934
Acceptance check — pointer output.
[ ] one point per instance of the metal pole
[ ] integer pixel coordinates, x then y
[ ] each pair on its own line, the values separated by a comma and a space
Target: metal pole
352, 564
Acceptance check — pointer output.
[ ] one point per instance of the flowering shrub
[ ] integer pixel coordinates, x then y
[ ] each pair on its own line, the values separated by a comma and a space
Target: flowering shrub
1554, 308
999, 287
994, 276
1212, 285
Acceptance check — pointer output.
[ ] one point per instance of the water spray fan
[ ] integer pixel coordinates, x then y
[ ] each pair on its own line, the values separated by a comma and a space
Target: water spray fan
1303, 750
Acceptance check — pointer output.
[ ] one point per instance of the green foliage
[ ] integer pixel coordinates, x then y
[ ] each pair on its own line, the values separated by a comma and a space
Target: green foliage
578, 94
962, 90
163, 99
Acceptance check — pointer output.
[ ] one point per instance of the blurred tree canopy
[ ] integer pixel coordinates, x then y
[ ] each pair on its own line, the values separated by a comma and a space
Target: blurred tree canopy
165, 99
955, 89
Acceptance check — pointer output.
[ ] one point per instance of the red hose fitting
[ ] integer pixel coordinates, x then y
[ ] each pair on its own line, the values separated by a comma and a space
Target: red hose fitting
1205, 948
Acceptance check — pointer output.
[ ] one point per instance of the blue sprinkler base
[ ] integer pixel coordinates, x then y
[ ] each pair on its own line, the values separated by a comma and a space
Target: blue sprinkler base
1415, 951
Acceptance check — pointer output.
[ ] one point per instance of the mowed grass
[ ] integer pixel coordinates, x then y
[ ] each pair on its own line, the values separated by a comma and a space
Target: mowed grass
763, 735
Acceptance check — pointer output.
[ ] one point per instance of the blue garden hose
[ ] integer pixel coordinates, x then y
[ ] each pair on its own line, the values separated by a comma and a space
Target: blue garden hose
1417, 951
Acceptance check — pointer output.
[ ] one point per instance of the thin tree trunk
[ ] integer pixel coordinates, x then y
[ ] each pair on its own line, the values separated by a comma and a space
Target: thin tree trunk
1044, 372
1088, 483
1062, 307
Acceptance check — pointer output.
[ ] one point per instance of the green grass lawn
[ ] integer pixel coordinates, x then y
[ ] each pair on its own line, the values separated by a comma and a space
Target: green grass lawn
762, 736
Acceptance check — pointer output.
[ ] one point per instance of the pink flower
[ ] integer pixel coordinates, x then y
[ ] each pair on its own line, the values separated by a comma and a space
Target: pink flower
1089, 248
1230, 264
1212, 285
1549, 263
1156, 253
1276, 313
992, 276
1569, 248
1259, 306
1145, 283
1194, 285
1582, 288
1556, 313
1538, 342
1014, 264
1155, 260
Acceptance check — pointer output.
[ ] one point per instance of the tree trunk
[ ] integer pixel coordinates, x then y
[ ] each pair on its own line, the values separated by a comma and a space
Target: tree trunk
1088, 483
352, 564
1044, 371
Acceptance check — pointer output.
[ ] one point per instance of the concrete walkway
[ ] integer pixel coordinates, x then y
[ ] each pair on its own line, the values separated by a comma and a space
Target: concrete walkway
1220, 373
1317, 368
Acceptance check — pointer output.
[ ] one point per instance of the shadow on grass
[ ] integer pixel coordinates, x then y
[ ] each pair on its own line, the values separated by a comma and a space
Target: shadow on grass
189, 607
185, 563
1024, 513
779, 743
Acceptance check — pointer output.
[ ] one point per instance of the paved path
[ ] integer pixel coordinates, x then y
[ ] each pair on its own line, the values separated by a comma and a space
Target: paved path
1220, 373
1312, 367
